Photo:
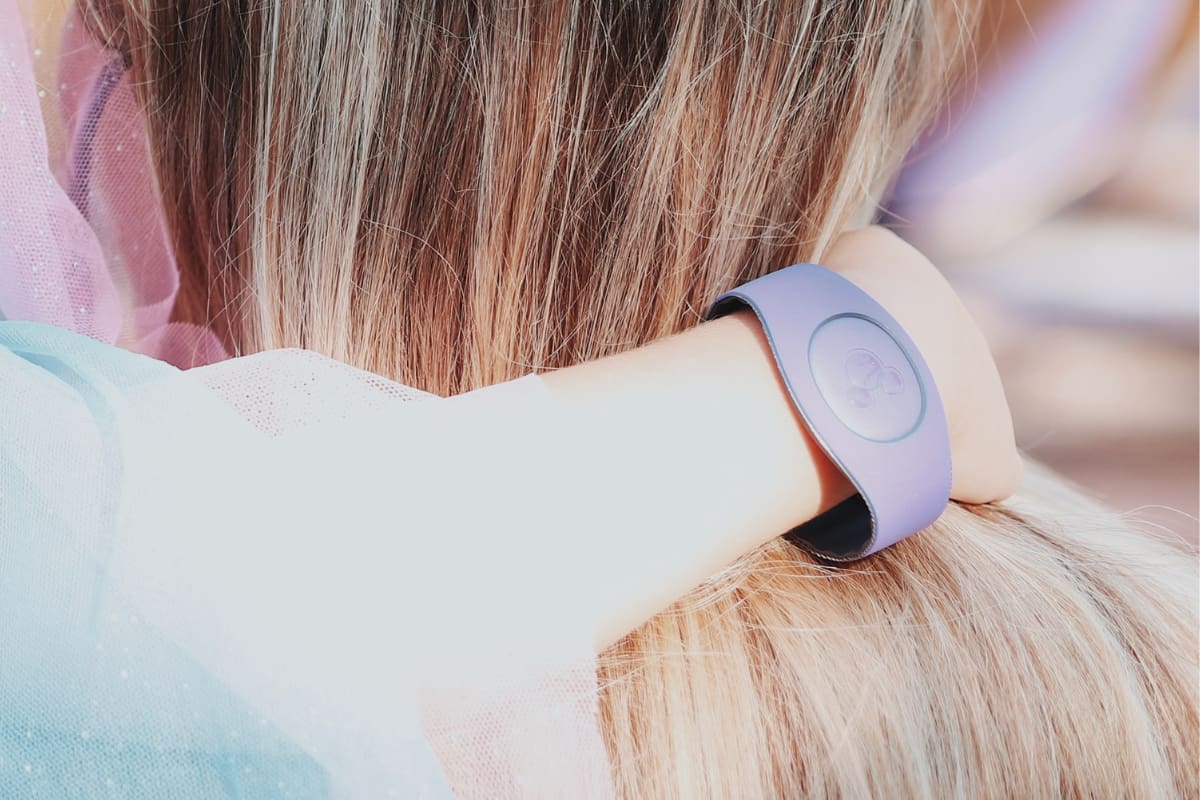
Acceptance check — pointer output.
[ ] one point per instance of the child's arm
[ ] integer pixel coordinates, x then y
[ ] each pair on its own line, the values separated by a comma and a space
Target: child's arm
704, 418
295, 532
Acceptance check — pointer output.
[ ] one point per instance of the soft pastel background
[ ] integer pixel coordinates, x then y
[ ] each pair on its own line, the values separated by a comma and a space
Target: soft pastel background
1060, 196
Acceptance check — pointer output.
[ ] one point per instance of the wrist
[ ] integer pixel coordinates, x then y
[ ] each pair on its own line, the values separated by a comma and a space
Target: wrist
742, 354
690, 500
718, 376
867, 396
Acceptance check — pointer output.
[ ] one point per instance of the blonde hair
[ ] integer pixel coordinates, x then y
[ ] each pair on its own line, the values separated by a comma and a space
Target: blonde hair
458, 193
1037, 649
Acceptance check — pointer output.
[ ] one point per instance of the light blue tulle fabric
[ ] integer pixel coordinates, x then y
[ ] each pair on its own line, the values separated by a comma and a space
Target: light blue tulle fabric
95, 700
241, 581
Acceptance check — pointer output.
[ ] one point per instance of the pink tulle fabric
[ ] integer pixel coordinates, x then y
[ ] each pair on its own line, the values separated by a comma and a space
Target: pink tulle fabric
83, 245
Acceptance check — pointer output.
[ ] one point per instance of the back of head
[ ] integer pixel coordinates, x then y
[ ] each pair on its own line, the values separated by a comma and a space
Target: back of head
458, 193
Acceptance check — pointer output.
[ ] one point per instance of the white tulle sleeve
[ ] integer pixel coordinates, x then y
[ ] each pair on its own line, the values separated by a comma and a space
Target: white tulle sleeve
241, 581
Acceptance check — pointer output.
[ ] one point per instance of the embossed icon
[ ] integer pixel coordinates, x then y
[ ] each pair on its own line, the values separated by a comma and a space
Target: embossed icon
869, 377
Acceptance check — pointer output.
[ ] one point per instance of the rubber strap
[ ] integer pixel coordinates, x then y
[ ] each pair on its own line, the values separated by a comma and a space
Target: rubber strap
868, 399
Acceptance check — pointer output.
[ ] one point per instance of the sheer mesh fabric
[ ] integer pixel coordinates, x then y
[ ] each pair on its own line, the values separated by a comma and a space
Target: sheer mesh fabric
233, 577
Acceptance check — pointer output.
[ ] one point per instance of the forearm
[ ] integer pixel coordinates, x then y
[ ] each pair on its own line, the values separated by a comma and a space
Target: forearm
699, 447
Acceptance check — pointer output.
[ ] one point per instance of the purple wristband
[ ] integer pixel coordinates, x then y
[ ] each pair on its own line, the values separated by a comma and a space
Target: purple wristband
867, 398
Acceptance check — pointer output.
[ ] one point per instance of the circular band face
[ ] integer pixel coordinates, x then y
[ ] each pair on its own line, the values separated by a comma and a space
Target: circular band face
866, 378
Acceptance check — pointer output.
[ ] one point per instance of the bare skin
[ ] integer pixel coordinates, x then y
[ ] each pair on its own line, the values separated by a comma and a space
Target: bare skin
672, 404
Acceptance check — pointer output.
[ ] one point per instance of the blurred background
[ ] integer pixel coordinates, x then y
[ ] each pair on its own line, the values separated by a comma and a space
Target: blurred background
1059, 192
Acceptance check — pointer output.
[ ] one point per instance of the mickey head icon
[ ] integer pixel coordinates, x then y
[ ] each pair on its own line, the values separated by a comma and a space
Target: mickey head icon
865, 378
870, 378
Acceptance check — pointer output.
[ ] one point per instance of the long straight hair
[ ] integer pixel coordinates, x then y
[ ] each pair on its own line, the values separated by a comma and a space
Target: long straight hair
455, 193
